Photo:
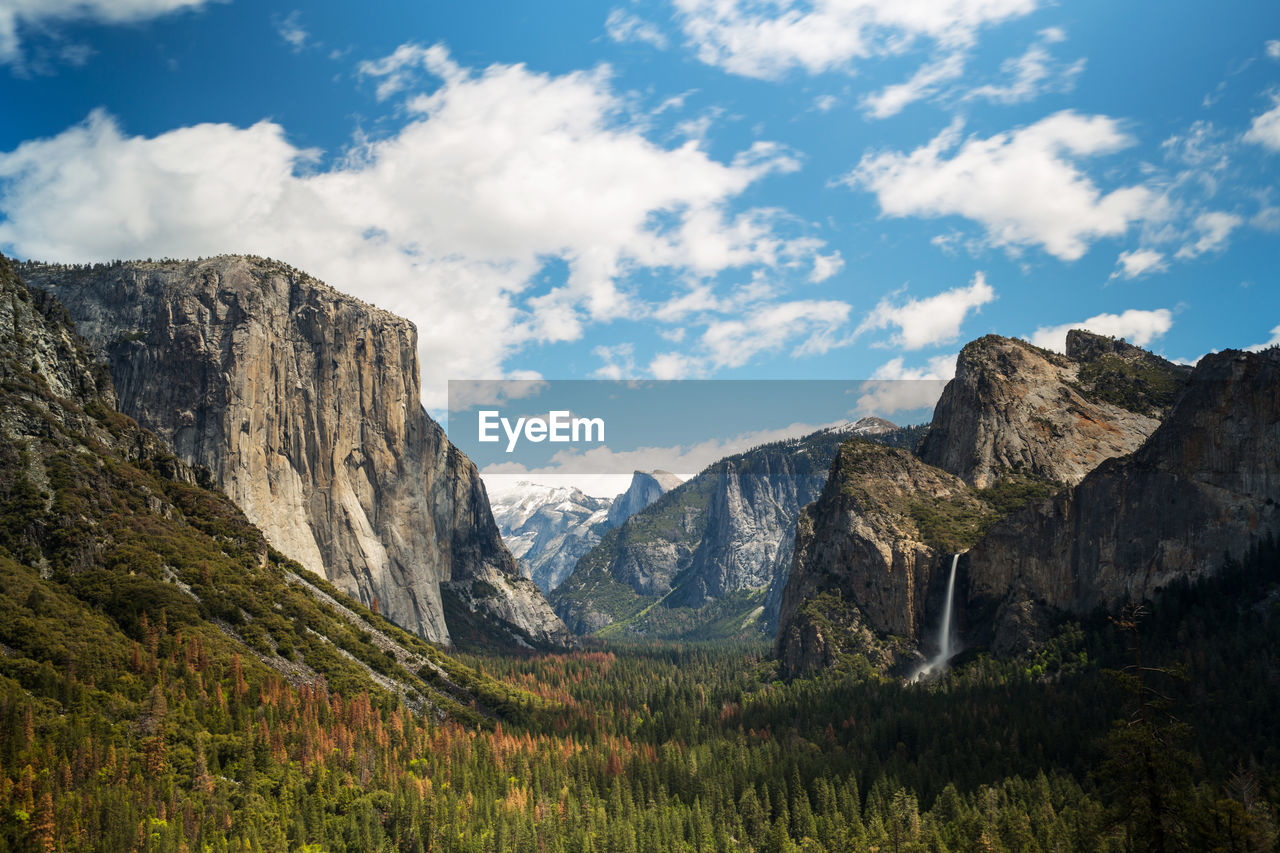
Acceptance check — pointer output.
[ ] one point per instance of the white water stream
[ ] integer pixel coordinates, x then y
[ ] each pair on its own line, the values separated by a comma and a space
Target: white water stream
939, 661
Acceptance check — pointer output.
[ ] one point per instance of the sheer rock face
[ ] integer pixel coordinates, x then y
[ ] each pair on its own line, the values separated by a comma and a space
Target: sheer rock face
862, 571
304, 403
645, 488
1013, 407
1204, 486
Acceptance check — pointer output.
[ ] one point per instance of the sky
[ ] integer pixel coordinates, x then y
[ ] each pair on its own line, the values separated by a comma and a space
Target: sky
712, 189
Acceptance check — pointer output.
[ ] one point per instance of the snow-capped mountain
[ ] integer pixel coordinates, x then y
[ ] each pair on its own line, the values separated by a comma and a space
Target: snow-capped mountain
547, 528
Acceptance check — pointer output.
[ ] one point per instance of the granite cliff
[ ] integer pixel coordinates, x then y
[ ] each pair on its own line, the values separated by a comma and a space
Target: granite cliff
868, 554
646, 487
304, 404
1015, 408
1016, 424
103, 529
1202, 489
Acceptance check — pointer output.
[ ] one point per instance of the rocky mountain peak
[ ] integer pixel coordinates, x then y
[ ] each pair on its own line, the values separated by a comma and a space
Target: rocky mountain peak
548, 528
646, 487
1014, 408
866, 554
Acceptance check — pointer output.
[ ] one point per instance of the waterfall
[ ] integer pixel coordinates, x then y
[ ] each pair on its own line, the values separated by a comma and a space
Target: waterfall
944, 641
938, 661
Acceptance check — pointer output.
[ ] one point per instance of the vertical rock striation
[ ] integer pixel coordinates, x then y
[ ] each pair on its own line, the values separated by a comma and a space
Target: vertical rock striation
304, 403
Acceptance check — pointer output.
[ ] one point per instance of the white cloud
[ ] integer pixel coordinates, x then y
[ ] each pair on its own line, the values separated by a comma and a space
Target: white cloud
825, 103
399, 69
291, 30
624, 27
1023, 186
674, 365
890, 100
1273, 49
768, 39
1215, 229
15, 14
931, 321
825, 266
619, 361
1274, 342
897, 388
1139, 262
1265, 129
447, 221
1201, 147
810, 326
1032, 74
1136, 326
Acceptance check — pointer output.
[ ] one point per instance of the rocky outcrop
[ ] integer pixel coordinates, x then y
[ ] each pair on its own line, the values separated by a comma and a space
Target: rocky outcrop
868, 556
1202, 489
304, 403
547, 528
645, 488
1015, 408
717, 547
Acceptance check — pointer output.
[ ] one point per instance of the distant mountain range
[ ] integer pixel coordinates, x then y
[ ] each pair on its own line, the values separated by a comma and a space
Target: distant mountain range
548, 528
709, 558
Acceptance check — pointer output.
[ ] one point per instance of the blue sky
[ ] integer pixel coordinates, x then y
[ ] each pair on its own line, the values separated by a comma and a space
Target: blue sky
697, 188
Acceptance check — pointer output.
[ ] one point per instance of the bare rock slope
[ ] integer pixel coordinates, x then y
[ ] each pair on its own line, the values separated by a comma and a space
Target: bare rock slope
1015, 408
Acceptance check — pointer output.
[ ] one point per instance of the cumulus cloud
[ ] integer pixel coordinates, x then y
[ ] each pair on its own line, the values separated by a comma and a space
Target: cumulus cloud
1136, 326
766, 40
624, 27
930, 321
825, 266
1265, 129
745, 324
1273, 49
448, 221
895, 387
1023, 186
810, 326
14, 14
1139, 262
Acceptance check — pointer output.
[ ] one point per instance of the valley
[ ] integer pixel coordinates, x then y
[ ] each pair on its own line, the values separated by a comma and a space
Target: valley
253, 599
